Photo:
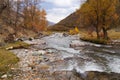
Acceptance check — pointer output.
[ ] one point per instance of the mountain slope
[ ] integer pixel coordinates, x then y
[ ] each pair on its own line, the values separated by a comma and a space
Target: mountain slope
68, 23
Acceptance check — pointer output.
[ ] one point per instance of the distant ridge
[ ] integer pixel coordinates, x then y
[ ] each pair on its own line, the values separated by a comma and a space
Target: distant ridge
50, 23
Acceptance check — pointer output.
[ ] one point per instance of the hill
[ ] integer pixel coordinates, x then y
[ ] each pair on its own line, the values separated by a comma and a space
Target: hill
68, 23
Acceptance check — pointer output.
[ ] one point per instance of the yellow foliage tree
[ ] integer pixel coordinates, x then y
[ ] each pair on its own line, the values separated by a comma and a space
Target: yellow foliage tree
74, 31
35, 20
100, 14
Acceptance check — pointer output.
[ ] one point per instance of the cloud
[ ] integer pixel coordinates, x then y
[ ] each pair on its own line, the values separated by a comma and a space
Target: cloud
59, 9
57, 14
63, 3
51, 17
60, 3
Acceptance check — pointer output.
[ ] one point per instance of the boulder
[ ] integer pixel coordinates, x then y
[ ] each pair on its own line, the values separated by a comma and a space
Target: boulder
65, 34
31, 38
21, 39
77, 43
9, 48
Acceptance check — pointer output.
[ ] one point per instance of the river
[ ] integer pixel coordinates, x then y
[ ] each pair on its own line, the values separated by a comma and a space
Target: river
88, 57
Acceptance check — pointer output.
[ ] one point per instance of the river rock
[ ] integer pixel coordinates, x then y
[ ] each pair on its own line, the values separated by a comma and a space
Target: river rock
65, 34
9, 48
36, 42
31, 38
21, 39
41, 52
4, 76
77, 43
46, 59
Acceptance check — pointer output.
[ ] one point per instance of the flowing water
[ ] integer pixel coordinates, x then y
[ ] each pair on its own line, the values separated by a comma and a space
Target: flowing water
85, 57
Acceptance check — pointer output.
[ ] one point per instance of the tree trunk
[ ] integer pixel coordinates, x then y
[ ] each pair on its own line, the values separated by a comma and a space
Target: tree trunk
97, 32
105, 34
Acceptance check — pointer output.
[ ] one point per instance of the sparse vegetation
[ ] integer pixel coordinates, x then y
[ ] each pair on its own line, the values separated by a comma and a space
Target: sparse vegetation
7, 61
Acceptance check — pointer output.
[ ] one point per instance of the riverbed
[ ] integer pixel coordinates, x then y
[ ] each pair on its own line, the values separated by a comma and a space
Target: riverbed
65, 53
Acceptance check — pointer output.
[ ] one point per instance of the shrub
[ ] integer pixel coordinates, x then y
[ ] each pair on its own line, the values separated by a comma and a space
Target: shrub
74, 31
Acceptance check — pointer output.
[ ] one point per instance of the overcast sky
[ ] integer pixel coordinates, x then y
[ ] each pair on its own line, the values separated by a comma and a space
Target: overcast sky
59, 9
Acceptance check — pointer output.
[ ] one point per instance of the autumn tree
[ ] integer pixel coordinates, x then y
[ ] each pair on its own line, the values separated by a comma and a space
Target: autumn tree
108, 15
118, 12
100, 14
23, 13
89, 16
34, 17
43, 21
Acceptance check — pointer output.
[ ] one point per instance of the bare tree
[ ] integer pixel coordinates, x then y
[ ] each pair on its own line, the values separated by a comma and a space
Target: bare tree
3, 5
18, 7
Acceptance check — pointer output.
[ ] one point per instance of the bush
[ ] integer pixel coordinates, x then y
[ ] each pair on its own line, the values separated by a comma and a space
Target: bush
74, 31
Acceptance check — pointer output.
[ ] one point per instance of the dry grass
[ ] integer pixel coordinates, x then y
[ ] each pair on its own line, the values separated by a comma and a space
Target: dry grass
7, 58
113, 34
95, 40
16, 45
92, 38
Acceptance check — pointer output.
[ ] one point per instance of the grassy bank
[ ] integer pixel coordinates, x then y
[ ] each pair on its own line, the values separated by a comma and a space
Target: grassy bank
7, 58
16, 45
94, 40
112, 34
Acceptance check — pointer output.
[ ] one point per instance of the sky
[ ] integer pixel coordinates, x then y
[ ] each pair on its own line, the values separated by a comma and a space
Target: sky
59, 9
